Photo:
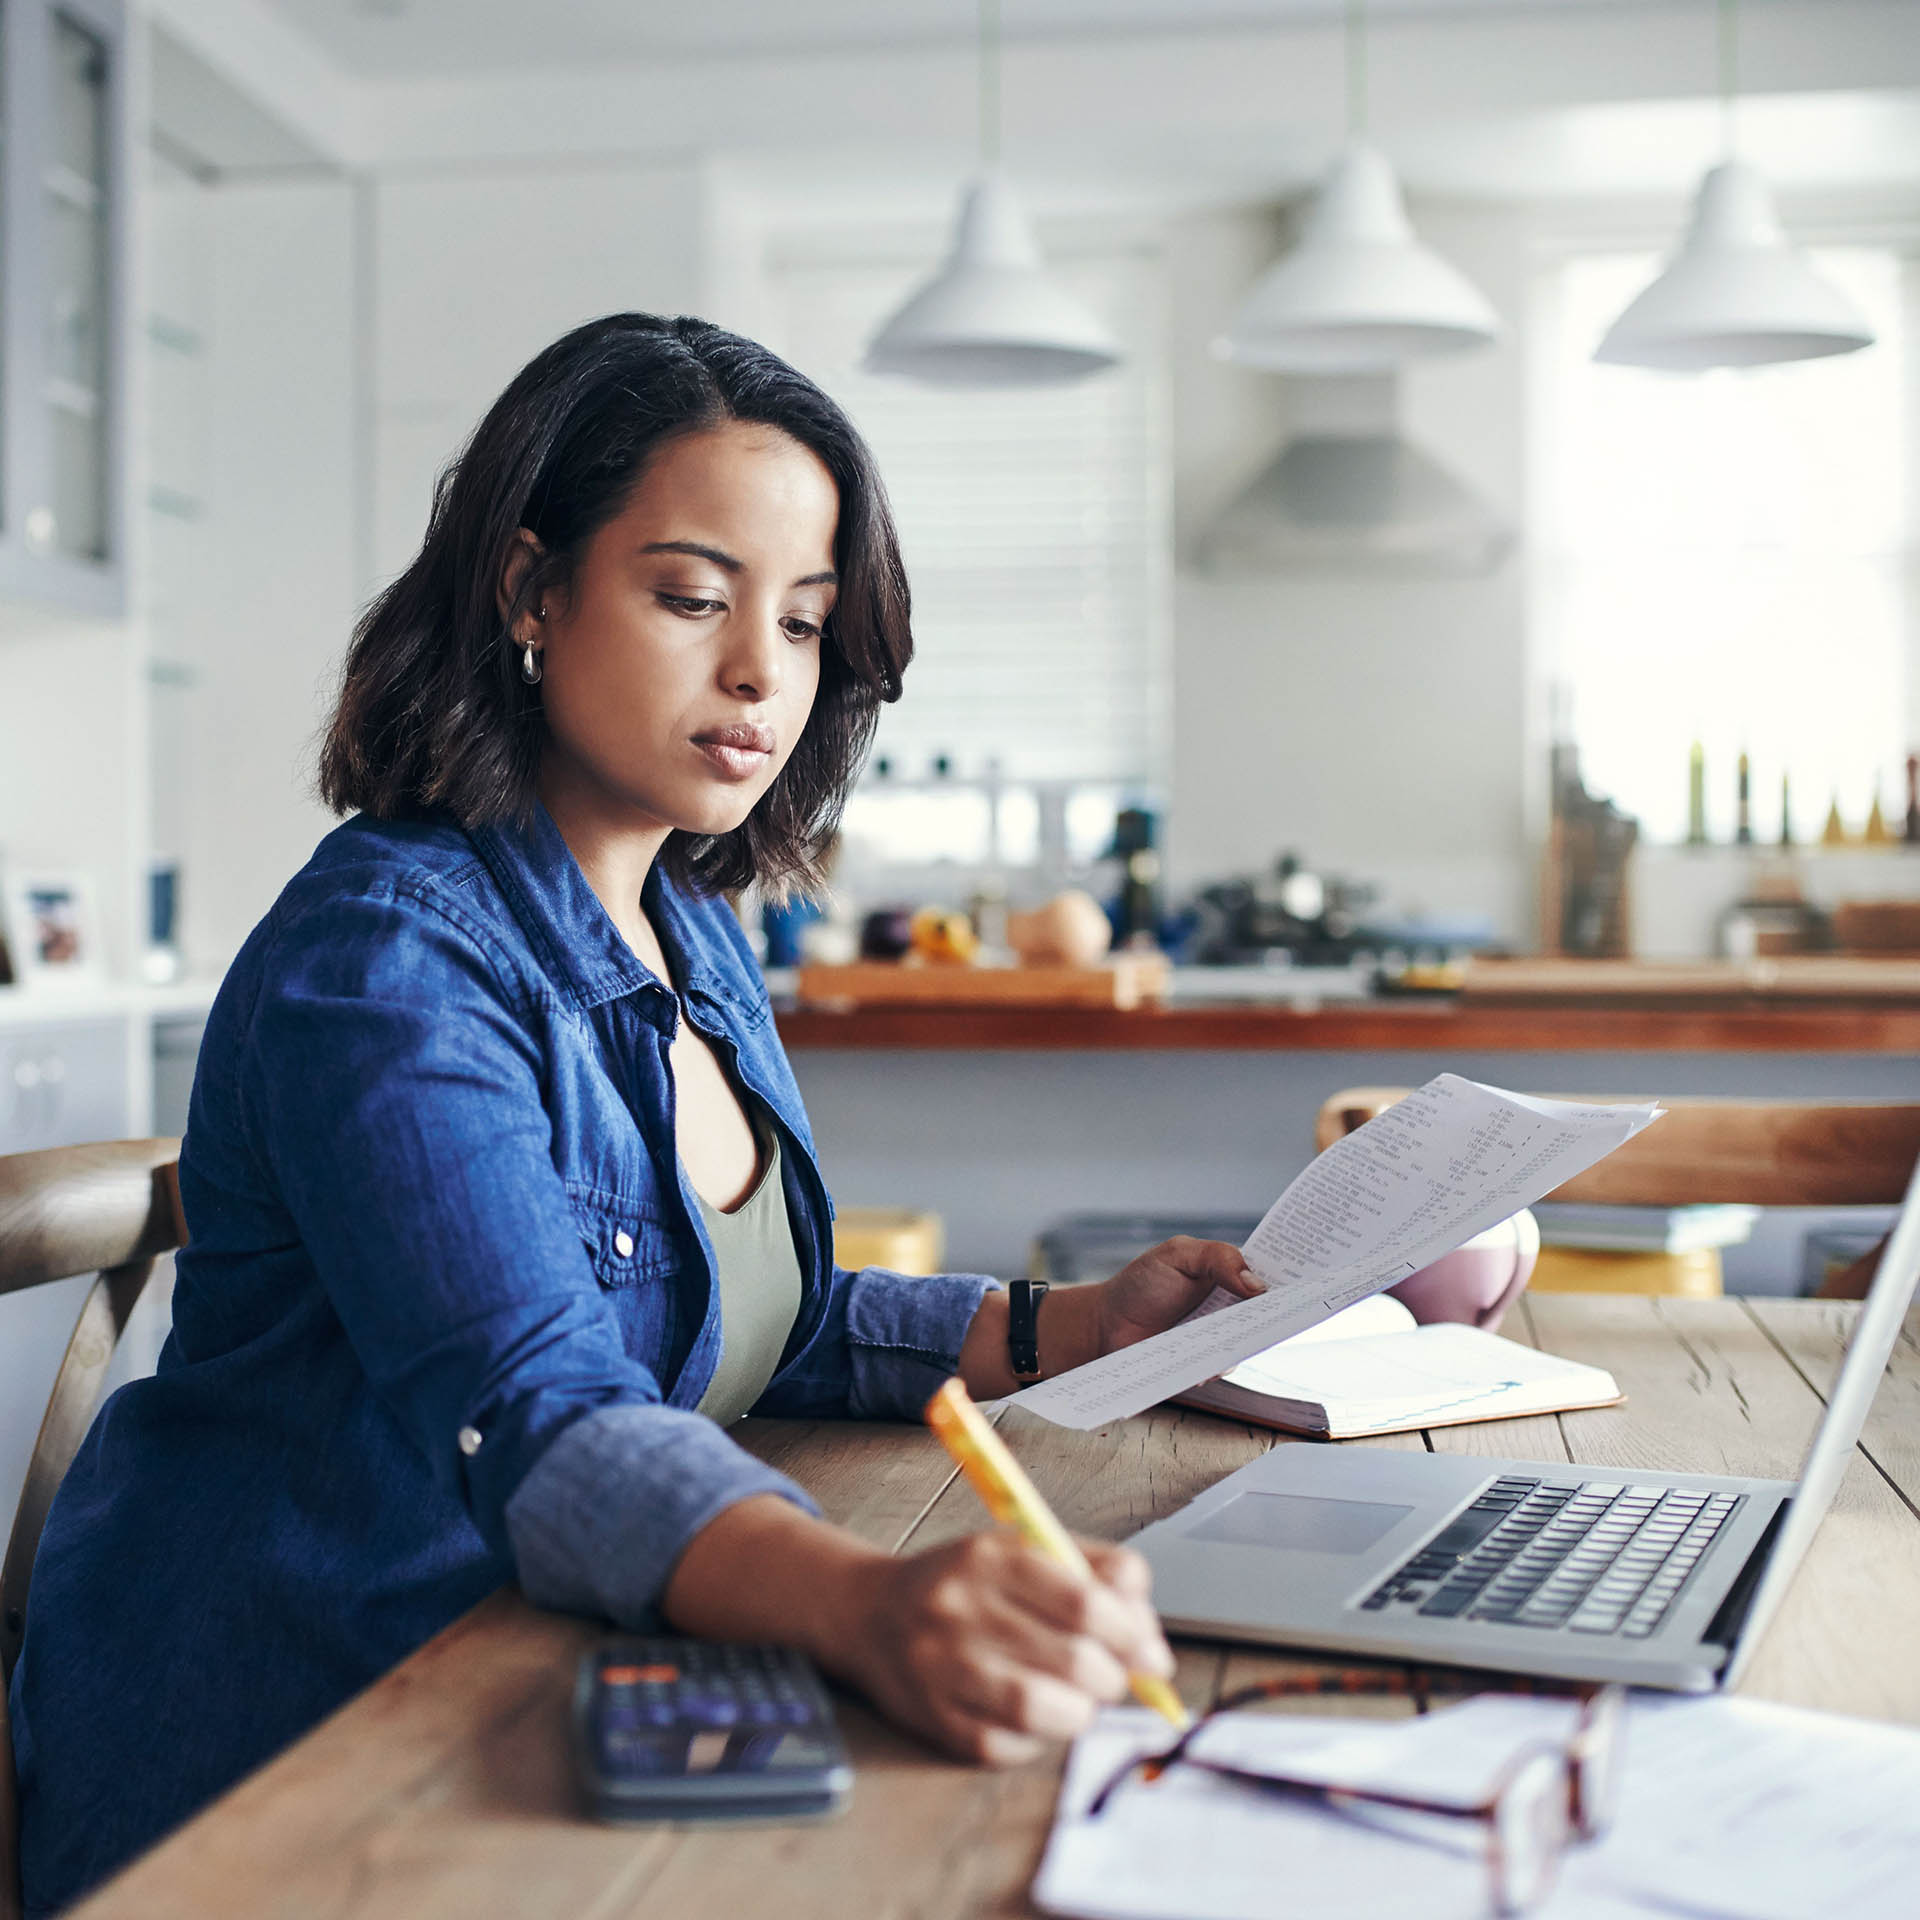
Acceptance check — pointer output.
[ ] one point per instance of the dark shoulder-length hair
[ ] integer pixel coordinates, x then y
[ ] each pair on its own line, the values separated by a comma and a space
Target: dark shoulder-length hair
433, 714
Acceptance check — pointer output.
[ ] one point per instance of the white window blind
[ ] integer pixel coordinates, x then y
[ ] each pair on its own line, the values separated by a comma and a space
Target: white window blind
1035, 530
1721, 559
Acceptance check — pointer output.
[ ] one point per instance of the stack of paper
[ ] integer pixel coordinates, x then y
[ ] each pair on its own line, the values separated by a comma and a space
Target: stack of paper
1729, 1808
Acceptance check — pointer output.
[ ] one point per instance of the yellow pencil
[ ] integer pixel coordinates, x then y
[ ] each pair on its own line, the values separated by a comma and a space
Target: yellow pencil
998, 1478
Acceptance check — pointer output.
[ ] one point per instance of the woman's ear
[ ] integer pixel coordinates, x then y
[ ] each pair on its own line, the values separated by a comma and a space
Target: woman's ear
522, 551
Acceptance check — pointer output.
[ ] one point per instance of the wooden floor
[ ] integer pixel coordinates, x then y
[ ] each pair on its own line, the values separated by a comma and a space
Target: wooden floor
444, 1790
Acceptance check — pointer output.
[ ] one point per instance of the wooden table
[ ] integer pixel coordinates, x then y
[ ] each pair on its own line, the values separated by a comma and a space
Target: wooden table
444, 1790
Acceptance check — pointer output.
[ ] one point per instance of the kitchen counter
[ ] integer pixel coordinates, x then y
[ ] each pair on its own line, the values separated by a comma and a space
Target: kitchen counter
1005, 1119
1370, 1026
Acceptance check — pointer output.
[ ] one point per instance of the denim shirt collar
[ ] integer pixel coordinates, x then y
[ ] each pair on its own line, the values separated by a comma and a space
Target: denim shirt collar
582, 950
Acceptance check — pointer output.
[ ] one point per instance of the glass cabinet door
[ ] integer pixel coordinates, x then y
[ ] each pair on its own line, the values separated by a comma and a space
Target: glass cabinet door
76, 185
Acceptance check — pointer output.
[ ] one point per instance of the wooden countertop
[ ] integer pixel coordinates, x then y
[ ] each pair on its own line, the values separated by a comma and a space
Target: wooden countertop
1366, 1026
445, 1788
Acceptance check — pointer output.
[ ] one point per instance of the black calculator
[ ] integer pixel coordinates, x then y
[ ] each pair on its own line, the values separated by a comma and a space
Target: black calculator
673, 1729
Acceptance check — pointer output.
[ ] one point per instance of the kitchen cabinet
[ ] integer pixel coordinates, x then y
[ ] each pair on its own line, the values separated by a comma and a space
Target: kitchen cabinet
64, 176
63, 1082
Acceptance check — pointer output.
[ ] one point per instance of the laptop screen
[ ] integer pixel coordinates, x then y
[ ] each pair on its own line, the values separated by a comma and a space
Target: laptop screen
1881, 1318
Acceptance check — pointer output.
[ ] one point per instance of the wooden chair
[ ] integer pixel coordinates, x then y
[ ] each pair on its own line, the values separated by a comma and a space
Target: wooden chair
112, 1211
1759, 1153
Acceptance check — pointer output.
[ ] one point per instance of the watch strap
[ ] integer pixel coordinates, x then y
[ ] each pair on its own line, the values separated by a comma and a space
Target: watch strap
1023, 1328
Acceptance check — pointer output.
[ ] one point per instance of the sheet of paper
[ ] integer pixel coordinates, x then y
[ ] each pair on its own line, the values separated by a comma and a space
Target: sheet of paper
1451, 1160
1728, 1807
1194, 1847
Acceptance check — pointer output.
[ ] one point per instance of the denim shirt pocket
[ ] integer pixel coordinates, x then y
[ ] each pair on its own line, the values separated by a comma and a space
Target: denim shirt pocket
744, 1007
628, 1243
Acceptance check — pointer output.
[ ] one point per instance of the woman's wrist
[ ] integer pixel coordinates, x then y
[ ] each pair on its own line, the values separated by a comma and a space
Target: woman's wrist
1068, 1323
763, 1569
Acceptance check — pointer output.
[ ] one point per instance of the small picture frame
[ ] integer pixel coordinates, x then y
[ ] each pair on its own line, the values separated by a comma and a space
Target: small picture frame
52, 925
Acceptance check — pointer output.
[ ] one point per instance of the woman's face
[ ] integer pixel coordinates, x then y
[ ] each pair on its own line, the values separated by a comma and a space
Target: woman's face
679, 670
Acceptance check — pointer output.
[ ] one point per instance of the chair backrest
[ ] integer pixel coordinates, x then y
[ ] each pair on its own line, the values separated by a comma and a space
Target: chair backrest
1762, 1153
112, 1211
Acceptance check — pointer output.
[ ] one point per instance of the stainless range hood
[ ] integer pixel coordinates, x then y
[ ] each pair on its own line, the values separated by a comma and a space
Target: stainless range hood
1349, 492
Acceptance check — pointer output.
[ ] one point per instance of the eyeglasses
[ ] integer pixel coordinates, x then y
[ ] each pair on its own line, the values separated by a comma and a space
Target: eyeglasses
1545, 1796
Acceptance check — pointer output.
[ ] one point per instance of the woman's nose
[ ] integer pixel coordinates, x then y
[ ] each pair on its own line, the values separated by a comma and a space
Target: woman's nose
755, 654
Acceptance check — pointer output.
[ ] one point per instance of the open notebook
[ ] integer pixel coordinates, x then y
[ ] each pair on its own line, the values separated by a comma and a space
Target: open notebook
1374, 1369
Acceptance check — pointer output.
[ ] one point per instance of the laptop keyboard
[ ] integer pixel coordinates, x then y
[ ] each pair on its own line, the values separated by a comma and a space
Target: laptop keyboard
1603, 1557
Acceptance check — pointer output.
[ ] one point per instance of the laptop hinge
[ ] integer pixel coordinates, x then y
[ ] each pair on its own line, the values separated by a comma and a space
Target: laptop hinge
1723, 1629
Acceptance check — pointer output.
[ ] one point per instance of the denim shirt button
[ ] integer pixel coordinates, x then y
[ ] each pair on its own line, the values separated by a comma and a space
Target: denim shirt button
469, 1441
623, 1244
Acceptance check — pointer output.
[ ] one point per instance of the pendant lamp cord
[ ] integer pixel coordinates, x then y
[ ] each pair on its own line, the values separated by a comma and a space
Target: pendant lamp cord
1356, 69
989, 85
1729, 71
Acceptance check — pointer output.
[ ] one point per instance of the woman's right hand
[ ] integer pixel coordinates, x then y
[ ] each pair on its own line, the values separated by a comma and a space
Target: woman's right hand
989, 1648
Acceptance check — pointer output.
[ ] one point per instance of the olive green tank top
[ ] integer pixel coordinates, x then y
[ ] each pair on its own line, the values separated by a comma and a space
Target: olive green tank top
759, 1276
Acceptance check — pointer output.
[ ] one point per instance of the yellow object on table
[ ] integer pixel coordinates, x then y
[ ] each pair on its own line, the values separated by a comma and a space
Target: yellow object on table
900, 1238
1692, 1276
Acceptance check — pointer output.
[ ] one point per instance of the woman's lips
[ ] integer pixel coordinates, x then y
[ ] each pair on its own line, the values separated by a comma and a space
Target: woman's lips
737, 752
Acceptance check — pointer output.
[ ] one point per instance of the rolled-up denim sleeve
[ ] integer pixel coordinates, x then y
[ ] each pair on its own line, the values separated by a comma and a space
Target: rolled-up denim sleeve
885, 1343
396, 1094
583, 1544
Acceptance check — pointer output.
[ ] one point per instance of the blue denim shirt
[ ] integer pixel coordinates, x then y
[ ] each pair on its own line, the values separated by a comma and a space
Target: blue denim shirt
446, 1311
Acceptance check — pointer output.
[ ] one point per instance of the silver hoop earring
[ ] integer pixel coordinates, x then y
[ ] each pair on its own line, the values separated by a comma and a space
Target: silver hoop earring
530, 666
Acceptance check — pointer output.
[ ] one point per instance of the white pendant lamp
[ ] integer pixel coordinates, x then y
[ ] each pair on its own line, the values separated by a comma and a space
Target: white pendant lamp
1736, 293
991, 317
1359, 293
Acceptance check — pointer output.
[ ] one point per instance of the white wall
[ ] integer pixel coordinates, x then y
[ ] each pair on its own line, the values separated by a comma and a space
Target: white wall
474, 273
73, 760
259, 615
1375, 724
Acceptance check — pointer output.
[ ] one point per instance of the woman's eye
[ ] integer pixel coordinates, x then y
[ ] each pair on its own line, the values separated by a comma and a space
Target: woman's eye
690, 603
799, 629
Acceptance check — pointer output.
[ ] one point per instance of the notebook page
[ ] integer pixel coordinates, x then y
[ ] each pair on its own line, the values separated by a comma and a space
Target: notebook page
1451, 1160
1442, 1372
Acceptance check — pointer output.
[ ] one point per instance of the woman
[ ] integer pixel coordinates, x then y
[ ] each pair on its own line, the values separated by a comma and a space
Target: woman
502, 1198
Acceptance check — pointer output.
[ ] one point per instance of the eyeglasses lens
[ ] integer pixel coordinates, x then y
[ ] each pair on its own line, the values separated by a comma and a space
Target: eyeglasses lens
1532, 1825
1598, 1749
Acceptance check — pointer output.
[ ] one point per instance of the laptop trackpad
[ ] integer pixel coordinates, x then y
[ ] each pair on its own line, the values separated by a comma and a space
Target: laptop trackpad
1301, 1522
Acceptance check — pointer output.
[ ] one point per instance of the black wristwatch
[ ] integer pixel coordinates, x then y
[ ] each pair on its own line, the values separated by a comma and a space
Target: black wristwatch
1023, 1328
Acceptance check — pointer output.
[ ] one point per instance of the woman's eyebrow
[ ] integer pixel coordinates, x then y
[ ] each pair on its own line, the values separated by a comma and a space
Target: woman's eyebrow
727, 562
732, 563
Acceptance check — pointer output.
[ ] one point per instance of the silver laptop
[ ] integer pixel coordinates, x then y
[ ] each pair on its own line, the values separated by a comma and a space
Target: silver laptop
1578, 1573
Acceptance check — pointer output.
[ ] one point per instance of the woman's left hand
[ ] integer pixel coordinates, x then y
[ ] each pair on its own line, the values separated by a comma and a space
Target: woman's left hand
1078, 1324
1164, 1285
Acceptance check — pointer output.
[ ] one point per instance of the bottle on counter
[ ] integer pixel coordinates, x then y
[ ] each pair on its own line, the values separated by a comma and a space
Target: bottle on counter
1834, 833
1912, 834
1743, 809
1876, 833
1786, 810
1696, 795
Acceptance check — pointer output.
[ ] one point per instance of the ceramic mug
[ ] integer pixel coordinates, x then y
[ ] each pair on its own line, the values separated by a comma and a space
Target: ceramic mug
1476, 1282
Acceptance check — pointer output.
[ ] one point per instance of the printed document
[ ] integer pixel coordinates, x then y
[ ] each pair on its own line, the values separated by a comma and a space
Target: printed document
1729, 1809
1451, 1160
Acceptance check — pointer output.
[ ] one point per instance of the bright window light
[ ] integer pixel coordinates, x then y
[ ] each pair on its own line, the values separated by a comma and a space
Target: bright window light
1720, 559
